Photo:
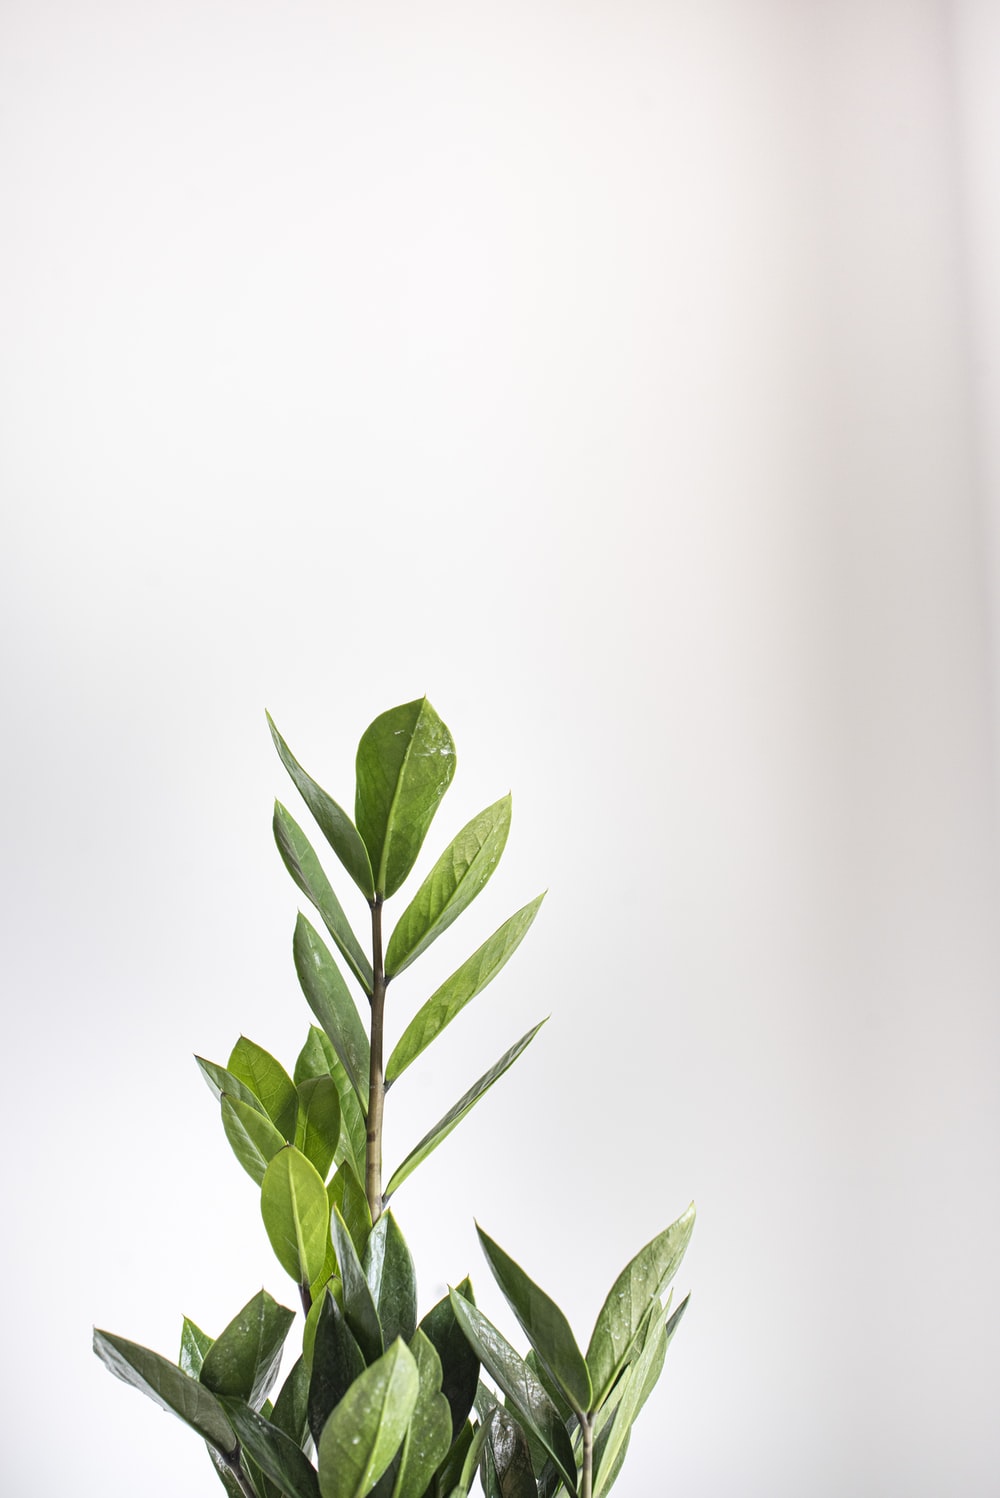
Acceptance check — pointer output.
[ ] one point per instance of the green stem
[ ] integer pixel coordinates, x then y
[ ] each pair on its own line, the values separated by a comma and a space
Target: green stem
376, 1075
586, 1475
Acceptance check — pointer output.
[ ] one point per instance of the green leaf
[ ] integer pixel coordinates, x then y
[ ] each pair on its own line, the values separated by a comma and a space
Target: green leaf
459, 1364
455, 1114
253, 1136
275, 1453
405, 763
641, 1283
471, 1463
452, 884
336, 826
508, 1452
346, 1193
337, 1361
364, 1432
637, 1379
428, 1436
220, 1080
523, 1390
243, 1360
453, 995
450, 1471
294, 1207
360, 1310
543, 1323
268, 1081
330, 1000
318, 1059
291, 1408
171, 1389
317, 1131
194, 1345
388, 1268
305, 868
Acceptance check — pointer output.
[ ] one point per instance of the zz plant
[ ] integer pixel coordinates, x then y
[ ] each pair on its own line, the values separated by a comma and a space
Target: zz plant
379, 1401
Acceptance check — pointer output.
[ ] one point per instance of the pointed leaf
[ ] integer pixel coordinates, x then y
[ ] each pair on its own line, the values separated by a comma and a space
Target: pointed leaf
243, 1360
469, 980
523, 1390
268, 1081
428, 1436
459, 1364
336, 826
455, 1114
318, 1059
329, 999
294, 1207
291, 1408
507, 1450
220, 1080
275, 1453
254, 1138
638, 1379
405, 763
337, 1361
360, 1310
450, 1470
452, 884
171, 1389
641, 1283
194, 1345
346, 1193
364, 1432
472, 1459
305, 868
317, 1130
389, 1271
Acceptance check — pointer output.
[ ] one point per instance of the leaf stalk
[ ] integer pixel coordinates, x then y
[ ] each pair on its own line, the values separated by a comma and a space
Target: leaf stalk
586, 1473
376, 1074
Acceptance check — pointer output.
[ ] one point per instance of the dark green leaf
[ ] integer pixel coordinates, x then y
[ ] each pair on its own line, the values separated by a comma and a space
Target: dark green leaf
456, 991
451, 886
330, 1000
243, 1360
459, 1364
364, 1432
389, 1271
317, 1132
294, 1207
472, 1458
450, 1470
455, 1114
523, 1390
171, 1389
336, 826
318, 1059
346, 1193
220, 1080
254, 1138
337, 1361
268, 1081
641, 1284
359, 1306
305, 868
428, 1436
277, 1455
291, 1408
507, 1450
550, 1386
543, 1323
194, 1345
405, 762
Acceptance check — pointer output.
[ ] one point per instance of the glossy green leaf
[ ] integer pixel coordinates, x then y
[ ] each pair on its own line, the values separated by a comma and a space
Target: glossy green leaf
455, 1114
194, 1345
405, 763
637, 1379
452, 884
171, 1389
336, 826
523, 1390
305, 868
470, 1465
360, 1310
337, 1361
366, 1429
428, 1436
268, 1081
459, 1364
641, 1283
346, 1193
243, 1360
330, 1000
549, 1384
317, 1130
291, 1408
318, 1059
254, 1138
220, 1080
388, 1268
543, 1324
453, 995
294, 1207
277, 1455
508, 1456
447, 1477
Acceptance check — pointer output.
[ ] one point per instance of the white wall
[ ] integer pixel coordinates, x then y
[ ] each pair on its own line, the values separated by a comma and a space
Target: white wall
622, 376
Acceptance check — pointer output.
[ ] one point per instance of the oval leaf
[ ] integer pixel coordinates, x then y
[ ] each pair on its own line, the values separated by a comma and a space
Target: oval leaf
171, 1389
459, 1364
220, 1080
294, 1207
337, 1361
253, 1136
194, 1347
317, 1130
336, 826
268, 1081
360, 1310
346, 1193
392, 1281
275, 1453
405, 763
318, 1059
428, 1436
364, 1432
243, 1360
330, 1000
305, 868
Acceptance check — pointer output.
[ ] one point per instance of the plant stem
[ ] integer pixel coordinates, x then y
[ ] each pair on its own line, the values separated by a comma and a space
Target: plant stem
232, 1461
586, 1475
376, 1077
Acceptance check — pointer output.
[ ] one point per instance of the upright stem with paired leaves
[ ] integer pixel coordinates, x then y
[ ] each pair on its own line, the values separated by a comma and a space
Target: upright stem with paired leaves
376, 1074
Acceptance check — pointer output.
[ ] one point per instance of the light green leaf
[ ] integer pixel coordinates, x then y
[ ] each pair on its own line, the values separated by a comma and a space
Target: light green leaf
253, 1136
336, 826
275, 1453
305, 868
405, 763
637, 1379
220, 1080
294, 1207
641, 1283
364, 1432
360, 1310
388, 1268
317, 1130
268, 1081
470, 979
171, 1389
194, 1345
346, 1193
330, 1000
428, 1437
455, 1114
543, 1323
243, 1360
452, 884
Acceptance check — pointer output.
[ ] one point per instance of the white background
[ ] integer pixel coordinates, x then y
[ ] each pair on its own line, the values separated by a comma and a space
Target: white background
621, 375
